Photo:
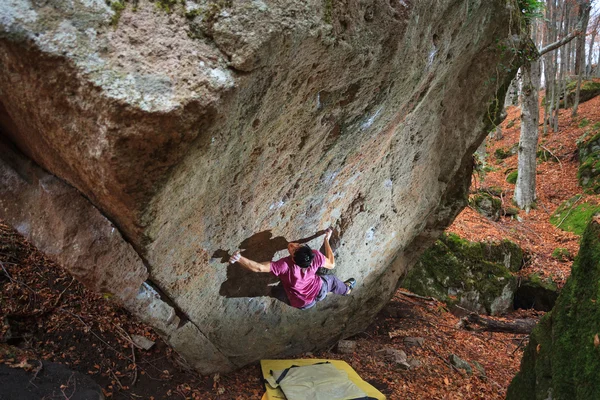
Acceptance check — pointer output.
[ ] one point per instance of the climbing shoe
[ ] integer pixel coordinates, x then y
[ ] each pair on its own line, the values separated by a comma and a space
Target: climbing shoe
350, 283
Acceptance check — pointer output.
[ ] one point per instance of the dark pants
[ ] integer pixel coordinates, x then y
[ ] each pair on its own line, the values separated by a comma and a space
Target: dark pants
329, 284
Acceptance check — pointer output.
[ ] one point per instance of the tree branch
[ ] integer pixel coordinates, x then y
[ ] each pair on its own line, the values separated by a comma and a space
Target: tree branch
553, 46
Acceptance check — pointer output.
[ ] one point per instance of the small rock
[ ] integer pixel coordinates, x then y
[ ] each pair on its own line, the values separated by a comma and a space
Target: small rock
480, 370
397, 356
142, 342
346, 347
460, 363
414, 363
414, 341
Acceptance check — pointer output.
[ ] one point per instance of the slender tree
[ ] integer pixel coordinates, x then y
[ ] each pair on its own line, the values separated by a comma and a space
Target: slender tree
584, 16
525, 193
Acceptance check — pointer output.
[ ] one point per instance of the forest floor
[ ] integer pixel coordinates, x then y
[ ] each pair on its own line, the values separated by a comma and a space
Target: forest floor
45, 315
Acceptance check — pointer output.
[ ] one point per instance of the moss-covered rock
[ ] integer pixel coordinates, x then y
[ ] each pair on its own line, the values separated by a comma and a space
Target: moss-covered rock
512, 177
536, 292
562, 254
501, 154
589, 90
473, 275
486, 204
573, 216
562, 358
588, 173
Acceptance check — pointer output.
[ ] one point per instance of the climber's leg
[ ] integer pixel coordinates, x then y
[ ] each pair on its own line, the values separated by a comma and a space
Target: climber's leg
334, 285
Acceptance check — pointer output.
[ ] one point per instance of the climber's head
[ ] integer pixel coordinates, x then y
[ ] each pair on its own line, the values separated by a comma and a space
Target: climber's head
301, 254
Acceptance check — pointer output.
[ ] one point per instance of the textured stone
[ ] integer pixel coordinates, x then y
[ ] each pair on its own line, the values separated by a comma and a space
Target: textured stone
346, 346
460, 363
561, 360
245, 126
474, 275
414, 341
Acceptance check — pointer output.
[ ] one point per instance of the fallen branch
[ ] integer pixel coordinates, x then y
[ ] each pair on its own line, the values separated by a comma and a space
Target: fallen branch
134, 365
61, 293
569, 212
452, 367
524, 326
552, 154
520, 343
116, 378
37, 371
416, 296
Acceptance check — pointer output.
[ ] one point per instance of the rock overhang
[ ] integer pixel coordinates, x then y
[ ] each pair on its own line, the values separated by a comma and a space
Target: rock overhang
361, 117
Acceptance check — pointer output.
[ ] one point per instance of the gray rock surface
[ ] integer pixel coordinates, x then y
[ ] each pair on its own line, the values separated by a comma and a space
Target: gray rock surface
219, 125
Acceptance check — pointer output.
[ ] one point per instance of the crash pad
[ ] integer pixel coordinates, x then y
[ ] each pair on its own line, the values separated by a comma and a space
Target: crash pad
277, 365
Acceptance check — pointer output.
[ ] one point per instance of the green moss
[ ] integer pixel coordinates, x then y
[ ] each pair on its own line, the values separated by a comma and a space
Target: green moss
501, 154
562, 254
455, 270
561, 355
537, 281
588, 173
494, 191
589, 90
166, 5
328, 11
117, 6
511, 123
583, 123
512, 177
486, 204
572, 216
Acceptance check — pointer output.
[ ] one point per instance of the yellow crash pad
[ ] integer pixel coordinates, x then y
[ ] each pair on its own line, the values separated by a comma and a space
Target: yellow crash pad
275, 365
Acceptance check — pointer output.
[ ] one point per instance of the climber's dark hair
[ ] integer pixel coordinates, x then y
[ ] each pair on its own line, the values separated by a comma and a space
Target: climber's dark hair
303, 256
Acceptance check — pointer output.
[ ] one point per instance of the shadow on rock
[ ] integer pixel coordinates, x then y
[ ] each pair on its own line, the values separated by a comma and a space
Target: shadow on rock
259, 247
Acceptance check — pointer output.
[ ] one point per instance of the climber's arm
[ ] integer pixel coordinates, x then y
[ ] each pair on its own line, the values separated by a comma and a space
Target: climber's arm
329, 259
249, 264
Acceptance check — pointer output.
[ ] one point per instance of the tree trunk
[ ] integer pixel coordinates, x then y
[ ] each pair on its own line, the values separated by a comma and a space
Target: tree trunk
524, 326
525, 188
588, 67
598, 63
584, 12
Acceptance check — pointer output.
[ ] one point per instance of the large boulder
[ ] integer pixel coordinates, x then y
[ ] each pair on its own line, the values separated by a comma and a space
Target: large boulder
562, 359
474, 275
170, 135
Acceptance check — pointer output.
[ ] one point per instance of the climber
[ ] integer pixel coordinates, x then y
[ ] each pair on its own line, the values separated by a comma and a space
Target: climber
302, 287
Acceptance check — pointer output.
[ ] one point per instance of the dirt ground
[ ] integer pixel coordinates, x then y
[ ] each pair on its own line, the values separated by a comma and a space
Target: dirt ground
46, 315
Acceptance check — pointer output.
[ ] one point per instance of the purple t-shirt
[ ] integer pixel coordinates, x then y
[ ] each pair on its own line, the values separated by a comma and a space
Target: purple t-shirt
301, 285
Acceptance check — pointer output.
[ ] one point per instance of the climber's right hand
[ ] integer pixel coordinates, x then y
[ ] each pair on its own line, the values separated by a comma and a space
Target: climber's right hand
235, 257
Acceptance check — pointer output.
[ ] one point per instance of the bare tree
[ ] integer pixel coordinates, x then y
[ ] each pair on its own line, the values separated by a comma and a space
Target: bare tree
584, 16
593, 31
525, 193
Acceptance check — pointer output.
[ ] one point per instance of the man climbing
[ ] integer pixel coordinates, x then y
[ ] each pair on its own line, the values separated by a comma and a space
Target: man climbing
302, 287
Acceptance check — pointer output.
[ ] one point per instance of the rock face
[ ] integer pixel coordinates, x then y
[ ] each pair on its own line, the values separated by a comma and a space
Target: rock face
172, 136
561, 360
476, 276
588, 173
